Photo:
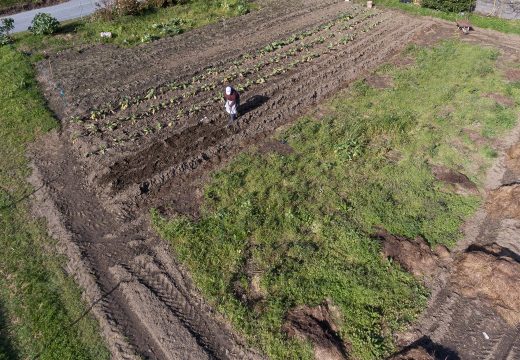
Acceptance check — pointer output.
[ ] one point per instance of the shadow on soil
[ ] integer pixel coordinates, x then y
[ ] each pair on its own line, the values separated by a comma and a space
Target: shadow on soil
438, 352
503, 252
252, 103
7, 351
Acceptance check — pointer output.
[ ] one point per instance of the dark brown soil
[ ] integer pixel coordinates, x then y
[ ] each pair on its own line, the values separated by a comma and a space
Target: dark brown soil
144, 127
275, 146
28, 6
455, 180
414, 255
319, 326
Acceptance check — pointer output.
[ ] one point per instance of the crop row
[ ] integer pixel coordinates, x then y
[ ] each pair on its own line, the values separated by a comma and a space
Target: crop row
244, 67
126, 101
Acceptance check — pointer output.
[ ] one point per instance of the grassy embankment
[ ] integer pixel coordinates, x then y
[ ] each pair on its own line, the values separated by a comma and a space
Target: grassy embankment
38, 300
486, 22
305, 220
132, 30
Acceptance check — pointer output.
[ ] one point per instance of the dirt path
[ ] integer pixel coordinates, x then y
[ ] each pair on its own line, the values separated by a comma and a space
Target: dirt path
144, 127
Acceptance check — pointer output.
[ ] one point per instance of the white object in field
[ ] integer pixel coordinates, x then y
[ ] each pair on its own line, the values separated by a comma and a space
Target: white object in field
370, 4
105, 34
231, 107
486, 336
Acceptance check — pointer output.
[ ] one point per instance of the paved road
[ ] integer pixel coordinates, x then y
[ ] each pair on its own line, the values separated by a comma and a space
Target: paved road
65, 11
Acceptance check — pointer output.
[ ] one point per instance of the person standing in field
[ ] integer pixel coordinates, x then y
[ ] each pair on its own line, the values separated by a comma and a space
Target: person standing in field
232, 98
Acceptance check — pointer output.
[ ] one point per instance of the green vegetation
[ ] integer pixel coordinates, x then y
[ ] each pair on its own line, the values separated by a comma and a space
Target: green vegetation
6, 26
303, 222
449, 5
131, 30
44, 24
38, 301
506, 26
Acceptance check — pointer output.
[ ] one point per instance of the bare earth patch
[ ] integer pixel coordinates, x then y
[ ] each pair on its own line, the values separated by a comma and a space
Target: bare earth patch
504, 202
380, 81
490, 273
414, 255
455, 180
501, 99
513, 75
319, 326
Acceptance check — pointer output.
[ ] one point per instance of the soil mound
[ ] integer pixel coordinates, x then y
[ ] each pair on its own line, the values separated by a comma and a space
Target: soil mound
503, 202
318, 325
513, 159
380, 81
275, 147
513, 75
414, 255
501, 99
457, 181
491, 273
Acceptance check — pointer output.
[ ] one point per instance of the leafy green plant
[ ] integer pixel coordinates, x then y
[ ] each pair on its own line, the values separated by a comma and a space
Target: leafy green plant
6, 26
44, 24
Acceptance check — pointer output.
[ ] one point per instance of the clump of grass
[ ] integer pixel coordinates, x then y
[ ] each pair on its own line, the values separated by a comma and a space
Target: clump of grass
305, 219
37, 299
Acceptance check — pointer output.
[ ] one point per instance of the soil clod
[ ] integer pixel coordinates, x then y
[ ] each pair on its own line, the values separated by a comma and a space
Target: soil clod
319, 326
457, 181
491, 273
414, 255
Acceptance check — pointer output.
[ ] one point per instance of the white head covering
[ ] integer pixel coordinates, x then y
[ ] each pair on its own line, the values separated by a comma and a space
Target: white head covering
228, 90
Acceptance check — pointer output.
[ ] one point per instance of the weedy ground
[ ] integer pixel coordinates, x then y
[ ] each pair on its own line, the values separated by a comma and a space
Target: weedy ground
485, 22
303, 221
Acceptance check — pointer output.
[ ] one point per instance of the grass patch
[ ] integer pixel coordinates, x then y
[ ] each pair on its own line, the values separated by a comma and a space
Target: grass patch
304, 220
485, 22
37, 299
132, 30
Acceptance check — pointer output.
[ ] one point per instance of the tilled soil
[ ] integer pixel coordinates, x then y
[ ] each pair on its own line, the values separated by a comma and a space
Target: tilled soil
144, 127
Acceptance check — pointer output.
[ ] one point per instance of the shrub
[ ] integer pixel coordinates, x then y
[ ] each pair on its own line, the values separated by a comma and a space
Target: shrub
449, 5
44, 24
6, 26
